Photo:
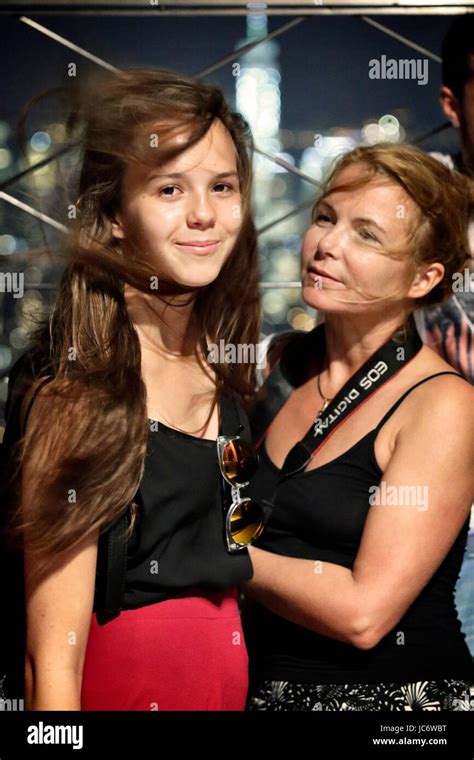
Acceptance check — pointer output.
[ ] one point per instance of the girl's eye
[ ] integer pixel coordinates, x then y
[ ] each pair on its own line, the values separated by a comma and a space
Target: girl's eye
169, 190
164, 191
222, 185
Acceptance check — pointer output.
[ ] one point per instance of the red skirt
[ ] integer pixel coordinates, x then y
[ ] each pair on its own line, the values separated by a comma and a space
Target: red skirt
181, 654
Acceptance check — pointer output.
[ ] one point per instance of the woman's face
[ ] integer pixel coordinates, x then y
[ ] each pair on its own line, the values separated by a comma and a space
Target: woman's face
346, 241
186, 215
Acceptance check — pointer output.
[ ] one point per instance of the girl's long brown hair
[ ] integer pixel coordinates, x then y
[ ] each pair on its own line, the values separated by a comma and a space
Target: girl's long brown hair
87, 450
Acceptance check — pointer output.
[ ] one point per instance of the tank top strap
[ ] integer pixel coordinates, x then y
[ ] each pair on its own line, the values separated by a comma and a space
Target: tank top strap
420, 382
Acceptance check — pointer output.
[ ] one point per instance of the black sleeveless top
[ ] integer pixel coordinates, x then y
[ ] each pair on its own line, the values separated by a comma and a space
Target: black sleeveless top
178, 543
320, 515
177, 548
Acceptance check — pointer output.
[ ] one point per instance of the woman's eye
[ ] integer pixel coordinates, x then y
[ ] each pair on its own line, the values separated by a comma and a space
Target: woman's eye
322, 218
223, 186
165, 190
366, 235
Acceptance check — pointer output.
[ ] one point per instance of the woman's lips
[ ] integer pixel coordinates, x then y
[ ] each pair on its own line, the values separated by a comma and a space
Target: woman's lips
320, 279
201, 249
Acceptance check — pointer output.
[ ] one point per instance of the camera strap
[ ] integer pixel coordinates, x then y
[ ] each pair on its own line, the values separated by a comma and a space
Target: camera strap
386, 362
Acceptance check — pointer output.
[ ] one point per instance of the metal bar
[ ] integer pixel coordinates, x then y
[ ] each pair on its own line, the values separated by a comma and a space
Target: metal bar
279, 161
268, 285
256, 7
293, 212
62, 228
41, 285
289, 10
288, 166
431, 133
402, 39
38, 165
45, 161
67, 43
222, 62
250, 46
218, 64
33, 212
265, 284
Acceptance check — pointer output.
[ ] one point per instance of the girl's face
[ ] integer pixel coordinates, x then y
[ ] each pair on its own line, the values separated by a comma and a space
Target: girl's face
343, 248
186, 215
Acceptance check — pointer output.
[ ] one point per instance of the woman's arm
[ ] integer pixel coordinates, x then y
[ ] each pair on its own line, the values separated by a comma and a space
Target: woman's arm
402, 546
59, 604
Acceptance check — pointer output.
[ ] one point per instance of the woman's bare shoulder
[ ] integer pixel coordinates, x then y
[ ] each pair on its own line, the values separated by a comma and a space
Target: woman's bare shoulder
446, 394
430, 363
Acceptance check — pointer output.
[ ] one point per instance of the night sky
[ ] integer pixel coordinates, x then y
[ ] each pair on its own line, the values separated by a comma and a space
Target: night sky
323, 62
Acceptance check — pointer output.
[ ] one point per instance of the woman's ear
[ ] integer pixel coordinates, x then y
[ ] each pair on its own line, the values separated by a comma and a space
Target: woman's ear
117, 227
425, 280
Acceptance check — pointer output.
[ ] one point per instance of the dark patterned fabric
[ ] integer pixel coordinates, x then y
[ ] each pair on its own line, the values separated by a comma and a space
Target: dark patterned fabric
422, 695
449, 330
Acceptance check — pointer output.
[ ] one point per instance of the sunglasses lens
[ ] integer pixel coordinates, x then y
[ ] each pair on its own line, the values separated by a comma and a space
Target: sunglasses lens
239, 461
246, 522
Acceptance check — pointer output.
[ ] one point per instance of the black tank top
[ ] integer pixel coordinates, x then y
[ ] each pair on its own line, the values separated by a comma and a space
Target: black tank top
320, 515
178, 543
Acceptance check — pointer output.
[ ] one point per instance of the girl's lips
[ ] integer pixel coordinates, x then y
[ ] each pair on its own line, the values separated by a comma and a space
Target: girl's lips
199, 248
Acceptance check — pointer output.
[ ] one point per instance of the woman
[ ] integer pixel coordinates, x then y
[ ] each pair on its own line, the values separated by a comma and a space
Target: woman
162, 262
350, 606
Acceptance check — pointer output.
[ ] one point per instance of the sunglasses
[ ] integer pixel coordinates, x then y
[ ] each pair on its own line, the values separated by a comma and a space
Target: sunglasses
245, 518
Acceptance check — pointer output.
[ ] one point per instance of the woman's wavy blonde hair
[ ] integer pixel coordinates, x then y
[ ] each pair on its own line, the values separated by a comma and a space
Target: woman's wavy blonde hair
444, 201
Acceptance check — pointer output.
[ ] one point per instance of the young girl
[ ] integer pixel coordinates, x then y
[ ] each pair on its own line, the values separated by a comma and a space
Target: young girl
353, 585
127, 408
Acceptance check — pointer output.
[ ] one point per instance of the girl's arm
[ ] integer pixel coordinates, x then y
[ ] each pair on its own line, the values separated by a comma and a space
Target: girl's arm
402, 545
59, 605
58, 613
